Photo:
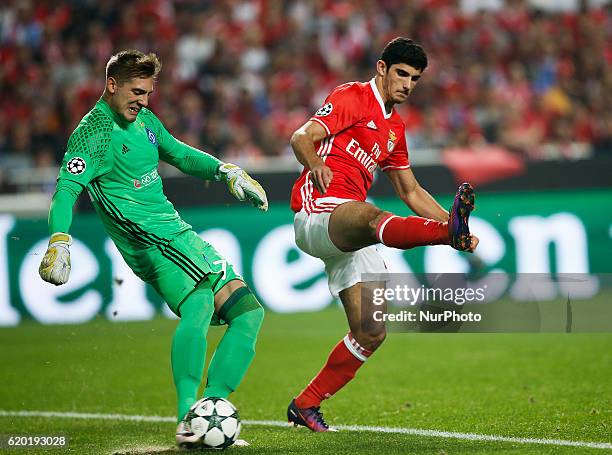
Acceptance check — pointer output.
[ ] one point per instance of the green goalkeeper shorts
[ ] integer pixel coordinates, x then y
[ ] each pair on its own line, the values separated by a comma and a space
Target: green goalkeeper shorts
175, 270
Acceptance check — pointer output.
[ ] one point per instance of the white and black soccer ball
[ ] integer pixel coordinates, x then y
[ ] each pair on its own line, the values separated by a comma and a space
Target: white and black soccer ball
215, 421
76, 165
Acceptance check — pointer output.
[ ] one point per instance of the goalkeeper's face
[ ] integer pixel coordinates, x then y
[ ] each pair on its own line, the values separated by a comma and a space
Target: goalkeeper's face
128, 98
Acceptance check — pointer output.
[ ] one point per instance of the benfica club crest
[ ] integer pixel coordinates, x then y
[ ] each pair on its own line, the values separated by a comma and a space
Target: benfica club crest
391, 141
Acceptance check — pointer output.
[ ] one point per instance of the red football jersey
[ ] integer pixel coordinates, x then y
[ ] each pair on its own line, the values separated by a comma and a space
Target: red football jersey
361, 137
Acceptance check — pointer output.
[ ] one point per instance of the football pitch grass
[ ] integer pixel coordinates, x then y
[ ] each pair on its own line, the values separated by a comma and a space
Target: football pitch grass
536, 386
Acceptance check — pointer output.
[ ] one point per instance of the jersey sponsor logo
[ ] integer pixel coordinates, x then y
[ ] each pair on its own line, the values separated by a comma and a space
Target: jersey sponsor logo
372, 125
76, 165
151, 136
391, 141
146, 179
367, 159
325, 110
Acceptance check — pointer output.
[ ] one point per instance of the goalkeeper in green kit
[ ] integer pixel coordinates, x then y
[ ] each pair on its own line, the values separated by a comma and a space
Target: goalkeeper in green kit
114, 153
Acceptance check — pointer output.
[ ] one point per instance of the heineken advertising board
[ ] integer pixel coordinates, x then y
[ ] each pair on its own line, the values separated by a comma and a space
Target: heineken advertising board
521, 233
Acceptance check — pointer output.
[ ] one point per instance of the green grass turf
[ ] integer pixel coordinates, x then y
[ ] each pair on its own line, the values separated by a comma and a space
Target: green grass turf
555, 386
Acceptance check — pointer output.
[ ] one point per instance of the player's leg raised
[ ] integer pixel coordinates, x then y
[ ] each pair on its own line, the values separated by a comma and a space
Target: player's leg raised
354, 225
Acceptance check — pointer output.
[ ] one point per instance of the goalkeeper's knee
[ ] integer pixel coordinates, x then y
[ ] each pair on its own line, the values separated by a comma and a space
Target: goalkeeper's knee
243, 311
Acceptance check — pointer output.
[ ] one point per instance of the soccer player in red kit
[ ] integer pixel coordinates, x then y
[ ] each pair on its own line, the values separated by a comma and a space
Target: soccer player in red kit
354, 132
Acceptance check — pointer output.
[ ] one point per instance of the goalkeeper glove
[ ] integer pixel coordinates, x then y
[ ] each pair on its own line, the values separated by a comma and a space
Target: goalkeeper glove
242, 186
55, 265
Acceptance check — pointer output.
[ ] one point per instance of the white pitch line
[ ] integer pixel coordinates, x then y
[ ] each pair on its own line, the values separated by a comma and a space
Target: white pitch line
360, 428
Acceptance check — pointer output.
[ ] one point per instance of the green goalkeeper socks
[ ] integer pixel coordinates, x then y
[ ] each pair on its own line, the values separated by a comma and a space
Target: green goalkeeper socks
236, 349
233, 355
189, 347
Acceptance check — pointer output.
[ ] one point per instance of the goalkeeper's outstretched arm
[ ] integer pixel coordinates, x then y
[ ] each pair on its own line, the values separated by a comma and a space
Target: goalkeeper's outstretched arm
190, 160
55, 265
205, 166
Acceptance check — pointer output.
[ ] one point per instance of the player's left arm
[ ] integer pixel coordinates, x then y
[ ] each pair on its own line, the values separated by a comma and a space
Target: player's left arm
200, 164
188, 159
397, 167
419, 200
415, 196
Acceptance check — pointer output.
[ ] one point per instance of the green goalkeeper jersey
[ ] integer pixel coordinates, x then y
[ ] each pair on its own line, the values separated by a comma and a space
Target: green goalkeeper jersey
117, 161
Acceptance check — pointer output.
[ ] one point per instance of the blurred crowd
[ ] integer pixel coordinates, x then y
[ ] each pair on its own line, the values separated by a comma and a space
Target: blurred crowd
240, 75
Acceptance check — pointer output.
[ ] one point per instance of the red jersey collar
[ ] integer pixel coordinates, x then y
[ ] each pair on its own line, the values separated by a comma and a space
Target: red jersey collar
380, 100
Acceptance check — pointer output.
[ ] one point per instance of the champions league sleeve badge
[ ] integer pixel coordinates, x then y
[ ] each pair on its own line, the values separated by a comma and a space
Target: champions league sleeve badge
76, 165
325, 110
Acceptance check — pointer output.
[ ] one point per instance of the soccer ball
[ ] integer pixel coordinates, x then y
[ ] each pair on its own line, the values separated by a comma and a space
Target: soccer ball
215, 421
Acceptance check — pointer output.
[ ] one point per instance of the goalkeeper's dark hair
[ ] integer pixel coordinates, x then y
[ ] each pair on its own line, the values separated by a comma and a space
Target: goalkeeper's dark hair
404, 50
131, 64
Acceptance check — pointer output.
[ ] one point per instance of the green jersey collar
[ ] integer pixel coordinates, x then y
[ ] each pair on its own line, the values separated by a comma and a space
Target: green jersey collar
103, 105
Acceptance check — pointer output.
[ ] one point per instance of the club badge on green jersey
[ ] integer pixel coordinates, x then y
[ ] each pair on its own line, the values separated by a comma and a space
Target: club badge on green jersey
151, 136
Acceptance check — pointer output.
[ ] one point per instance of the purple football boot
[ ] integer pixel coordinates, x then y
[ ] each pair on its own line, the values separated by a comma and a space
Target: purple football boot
458, 229
310, 418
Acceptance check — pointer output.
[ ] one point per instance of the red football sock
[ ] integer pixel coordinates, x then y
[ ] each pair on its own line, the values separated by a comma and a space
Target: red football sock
405, 233
342, 364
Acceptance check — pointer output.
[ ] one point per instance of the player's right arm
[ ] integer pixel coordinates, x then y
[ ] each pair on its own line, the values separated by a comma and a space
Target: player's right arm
303, 144
337, 113
86, 158
55, 265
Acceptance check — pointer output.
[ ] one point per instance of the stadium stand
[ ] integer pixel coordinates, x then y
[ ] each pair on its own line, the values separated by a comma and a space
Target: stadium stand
513, 80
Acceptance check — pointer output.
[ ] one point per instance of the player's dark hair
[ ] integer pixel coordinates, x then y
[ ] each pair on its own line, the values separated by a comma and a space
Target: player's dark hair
404, 50
131, 64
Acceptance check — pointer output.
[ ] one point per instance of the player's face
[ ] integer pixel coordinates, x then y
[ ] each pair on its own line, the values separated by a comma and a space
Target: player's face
398, 81
129, 97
